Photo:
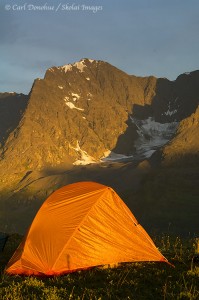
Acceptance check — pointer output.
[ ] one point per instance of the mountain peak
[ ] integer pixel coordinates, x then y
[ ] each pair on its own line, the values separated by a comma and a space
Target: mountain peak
80, 65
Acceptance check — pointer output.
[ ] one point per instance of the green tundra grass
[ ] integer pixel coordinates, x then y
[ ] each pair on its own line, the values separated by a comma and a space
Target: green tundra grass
129, 281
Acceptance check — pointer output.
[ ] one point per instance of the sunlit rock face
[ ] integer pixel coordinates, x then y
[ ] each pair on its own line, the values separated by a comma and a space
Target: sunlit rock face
85, 112
184, 147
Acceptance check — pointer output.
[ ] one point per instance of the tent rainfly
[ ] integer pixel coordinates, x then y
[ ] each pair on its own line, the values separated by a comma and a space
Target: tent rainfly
80, 226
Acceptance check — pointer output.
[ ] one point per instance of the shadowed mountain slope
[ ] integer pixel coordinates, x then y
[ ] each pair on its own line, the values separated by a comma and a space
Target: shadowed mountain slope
12, 107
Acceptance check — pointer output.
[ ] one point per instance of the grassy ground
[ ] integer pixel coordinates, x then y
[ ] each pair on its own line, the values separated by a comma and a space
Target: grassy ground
130, 281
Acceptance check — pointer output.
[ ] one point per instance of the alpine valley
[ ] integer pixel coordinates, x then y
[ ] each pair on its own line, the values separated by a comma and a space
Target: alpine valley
89, 121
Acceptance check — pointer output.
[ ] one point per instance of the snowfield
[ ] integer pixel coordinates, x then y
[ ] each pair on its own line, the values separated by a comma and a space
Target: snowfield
152, 135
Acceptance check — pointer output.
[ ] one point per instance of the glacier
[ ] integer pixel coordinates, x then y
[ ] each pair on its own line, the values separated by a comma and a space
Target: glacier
152, 135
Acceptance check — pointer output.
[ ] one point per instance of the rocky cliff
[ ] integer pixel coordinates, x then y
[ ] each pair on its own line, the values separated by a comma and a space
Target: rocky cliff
77, 112
12, 107
184, 147
81, 112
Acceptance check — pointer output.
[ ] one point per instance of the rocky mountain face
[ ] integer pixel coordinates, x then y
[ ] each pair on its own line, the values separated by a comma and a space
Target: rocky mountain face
83, 111
184, 147
77, 112
12, 107
172, 100
88, 112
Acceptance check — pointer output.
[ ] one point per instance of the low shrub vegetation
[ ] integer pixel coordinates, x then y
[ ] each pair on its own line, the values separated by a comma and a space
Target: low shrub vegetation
128, 281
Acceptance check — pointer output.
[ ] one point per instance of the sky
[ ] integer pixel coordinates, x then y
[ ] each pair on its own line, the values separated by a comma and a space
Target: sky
140, 37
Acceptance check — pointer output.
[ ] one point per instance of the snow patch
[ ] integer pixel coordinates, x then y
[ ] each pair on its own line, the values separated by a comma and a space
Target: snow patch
66, 68
89, 95
112, 156
72, 106
80, 65
75, 96
85, 158
170, 112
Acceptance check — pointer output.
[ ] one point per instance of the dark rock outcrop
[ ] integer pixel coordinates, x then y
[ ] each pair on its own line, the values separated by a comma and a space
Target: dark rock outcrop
12, 107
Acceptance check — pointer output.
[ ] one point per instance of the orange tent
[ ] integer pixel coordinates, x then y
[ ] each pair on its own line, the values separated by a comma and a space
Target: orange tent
79, 226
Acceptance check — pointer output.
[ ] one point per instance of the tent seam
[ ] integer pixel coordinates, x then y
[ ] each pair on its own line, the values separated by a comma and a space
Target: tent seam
78, 228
